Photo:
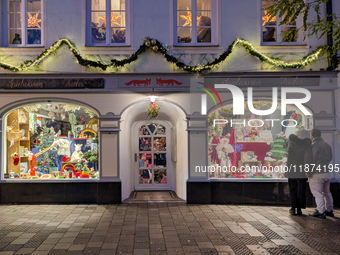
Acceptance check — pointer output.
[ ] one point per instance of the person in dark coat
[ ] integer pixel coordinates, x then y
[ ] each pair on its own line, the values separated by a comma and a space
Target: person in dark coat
299, 153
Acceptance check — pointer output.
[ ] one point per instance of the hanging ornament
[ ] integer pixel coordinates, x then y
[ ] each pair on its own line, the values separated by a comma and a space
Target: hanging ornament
62, 115
155, 48
33, 21
15, 159
266, 18
51, 115
153, 41
113, 19
152, 110
147, 43
188, 18
32, 107
71, 107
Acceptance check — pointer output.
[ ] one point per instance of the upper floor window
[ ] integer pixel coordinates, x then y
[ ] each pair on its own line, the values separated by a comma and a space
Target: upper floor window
195, 22
273, 32
24, 22
107, 24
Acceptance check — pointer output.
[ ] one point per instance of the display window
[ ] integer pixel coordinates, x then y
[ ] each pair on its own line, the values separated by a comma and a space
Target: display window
249, 145
51, 141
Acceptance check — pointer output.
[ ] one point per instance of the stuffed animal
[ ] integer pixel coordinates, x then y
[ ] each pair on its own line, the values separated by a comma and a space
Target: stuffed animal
77, 154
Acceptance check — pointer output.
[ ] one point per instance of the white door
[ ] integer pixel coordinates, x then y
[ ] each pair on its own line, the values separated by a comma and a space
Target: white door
154, 169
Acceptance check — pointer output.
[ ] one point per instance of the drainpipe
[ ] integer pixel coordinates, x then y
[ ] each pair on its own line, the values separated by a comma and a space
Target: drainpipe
332, 61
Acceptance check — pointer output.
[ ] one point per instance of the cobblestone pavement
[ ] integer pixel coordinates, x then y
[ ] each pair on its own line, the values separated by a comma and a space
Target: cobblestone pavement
164, 229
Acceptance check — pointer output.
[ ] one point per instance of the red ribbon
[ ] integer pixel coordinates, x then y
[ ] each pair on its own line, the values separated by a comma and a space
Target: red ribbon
154, 105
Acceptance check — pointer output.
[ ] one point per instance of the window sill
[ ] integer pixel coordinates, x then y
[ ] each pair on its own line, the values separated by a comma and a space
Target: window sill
284, 48
105, 46
196, 46
22, 50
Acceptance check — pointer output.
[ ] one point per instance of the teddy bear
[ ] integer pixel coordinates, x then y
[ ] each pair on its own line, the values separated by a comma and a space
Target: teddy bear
77, 154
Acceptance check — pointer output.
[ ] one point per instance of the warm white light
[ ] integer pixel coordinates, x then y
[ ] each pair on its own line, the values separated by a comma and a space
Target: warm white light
153, 98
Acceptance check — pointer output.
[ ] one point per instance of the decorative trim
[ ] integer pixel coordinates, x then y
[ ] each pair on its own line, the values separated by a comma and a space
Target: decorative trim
155, 45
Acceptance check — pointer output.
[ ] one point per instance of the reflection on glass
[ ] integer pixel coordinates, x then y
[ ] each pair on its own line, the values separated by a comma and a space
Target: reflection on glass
145, 144
160, 176
183, 35
118, 35
33, 6
269, 34
14, 6
14, 36
34, 36
98, 5
143, 130
145, 176
152, 127
184, 5
160, 130
14, 20
203, 4
118, 5
159, 144
159, 159
145, 160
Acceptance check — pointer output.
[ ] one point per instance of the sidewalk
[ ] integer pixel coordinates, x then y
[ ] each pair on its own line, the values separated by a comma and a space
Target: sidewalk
164, 229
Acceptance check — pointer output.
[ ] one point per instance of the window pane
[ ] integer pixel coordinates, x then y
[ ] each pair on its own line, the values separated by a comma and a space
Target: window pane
143, 130
290, 22
145, 144
204, 14
117, 19
267, 21
203, 27
160, 176
33, 6
98, 19
269, 34
145, 176
203, 4
117, 5
293, 33
152, 127
14, 36
184, 18
14, 6
33, 20
159, 159
14, 20
183, 4
98, 35
145, 160
160, 130
98, 5
183, 35
118, 35
33, 36
159, 144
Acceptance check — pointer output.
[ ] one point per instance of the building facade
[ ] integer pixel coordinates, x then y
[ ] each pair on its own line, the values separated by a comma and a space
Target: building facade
91, 111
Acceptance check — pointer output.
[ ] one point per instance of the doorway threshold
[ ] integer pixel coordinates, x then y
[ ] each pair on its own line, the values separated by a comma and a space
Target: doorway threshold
153, 197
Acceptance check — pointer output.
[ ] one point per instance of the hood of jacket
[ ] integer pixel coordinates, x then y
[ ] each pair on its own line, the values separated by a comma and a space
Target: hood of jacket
297, 142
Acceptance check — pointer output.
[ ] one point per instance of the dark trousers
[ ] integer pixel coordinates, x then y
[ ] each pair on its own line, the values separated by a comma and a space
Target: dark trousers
297, 190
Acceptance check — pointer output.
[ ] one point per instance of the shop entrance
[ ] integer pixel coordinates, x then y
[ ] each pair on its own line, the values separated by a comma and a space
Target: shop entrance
154, 169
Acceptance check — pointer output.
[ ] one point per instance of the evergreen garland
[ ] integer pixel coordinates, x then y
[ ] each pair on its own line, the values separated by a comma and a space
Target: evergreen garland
155, 45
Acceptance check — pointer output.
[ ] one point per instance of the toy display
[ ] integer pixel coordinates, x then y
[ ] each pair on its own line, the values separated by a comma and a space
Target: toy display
52, 141
253, 147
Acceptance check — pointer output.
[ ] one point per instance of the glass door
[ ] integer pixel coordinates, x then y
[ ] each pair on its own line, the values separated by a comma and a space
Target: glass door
152, 156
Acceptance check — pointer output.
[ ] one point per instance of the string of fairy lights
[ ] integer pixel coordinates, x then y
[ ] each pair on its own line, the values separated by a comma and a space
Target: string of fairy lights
156, 46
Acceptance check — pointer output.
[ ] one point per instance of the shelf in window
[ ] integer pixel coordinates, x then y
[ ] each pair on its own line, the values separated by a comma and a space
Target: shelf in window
23, 156
24, 139
24, 123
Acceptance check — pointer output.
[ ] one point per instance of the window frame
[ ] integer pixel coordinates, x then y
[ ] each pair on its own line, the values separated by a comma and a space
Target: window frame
279, 31
194, 43
24, 27
108, 42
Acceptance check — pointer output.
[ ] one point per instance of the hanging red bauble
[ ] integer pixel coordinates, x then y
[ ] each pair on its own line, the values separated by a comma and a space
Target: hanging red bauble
44, 162
16, 159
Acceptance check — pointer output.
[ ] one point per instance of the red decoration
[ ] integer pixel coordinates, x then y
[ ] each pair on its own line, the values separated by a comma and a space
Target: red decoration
64, 158
169, 82
146, 82
44, 162
154, 105
16, 159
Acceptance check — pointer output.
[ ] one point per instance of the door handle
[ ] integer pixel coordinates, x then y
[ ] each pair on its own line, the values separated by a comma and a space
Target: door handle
135, 157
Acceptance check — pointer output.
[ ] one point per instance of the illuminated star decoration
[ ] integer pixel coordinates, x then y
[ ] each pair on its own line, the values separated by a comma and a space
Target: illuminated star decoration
113, 18
33, 21
188, 18
266, 18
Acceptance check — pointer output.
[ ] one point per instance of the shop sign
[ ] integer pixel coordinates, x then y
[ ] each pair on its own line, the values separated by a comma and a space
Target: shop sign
52, 83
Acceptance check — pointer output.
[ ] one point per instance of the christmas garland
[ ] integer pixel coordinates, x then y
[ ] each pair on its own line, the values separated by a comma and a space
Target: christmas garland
155, 45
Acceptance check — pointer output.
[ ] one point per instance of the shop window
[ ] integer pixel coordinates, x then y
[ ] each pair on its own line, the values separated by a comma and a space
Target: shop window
252, 146
51, 141
272, 31
195, 22
107, 22
24, 23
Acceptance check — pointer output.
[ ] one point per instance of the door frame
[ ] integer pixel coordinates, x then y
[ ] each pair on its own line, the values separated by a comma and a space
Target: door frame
171, 176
